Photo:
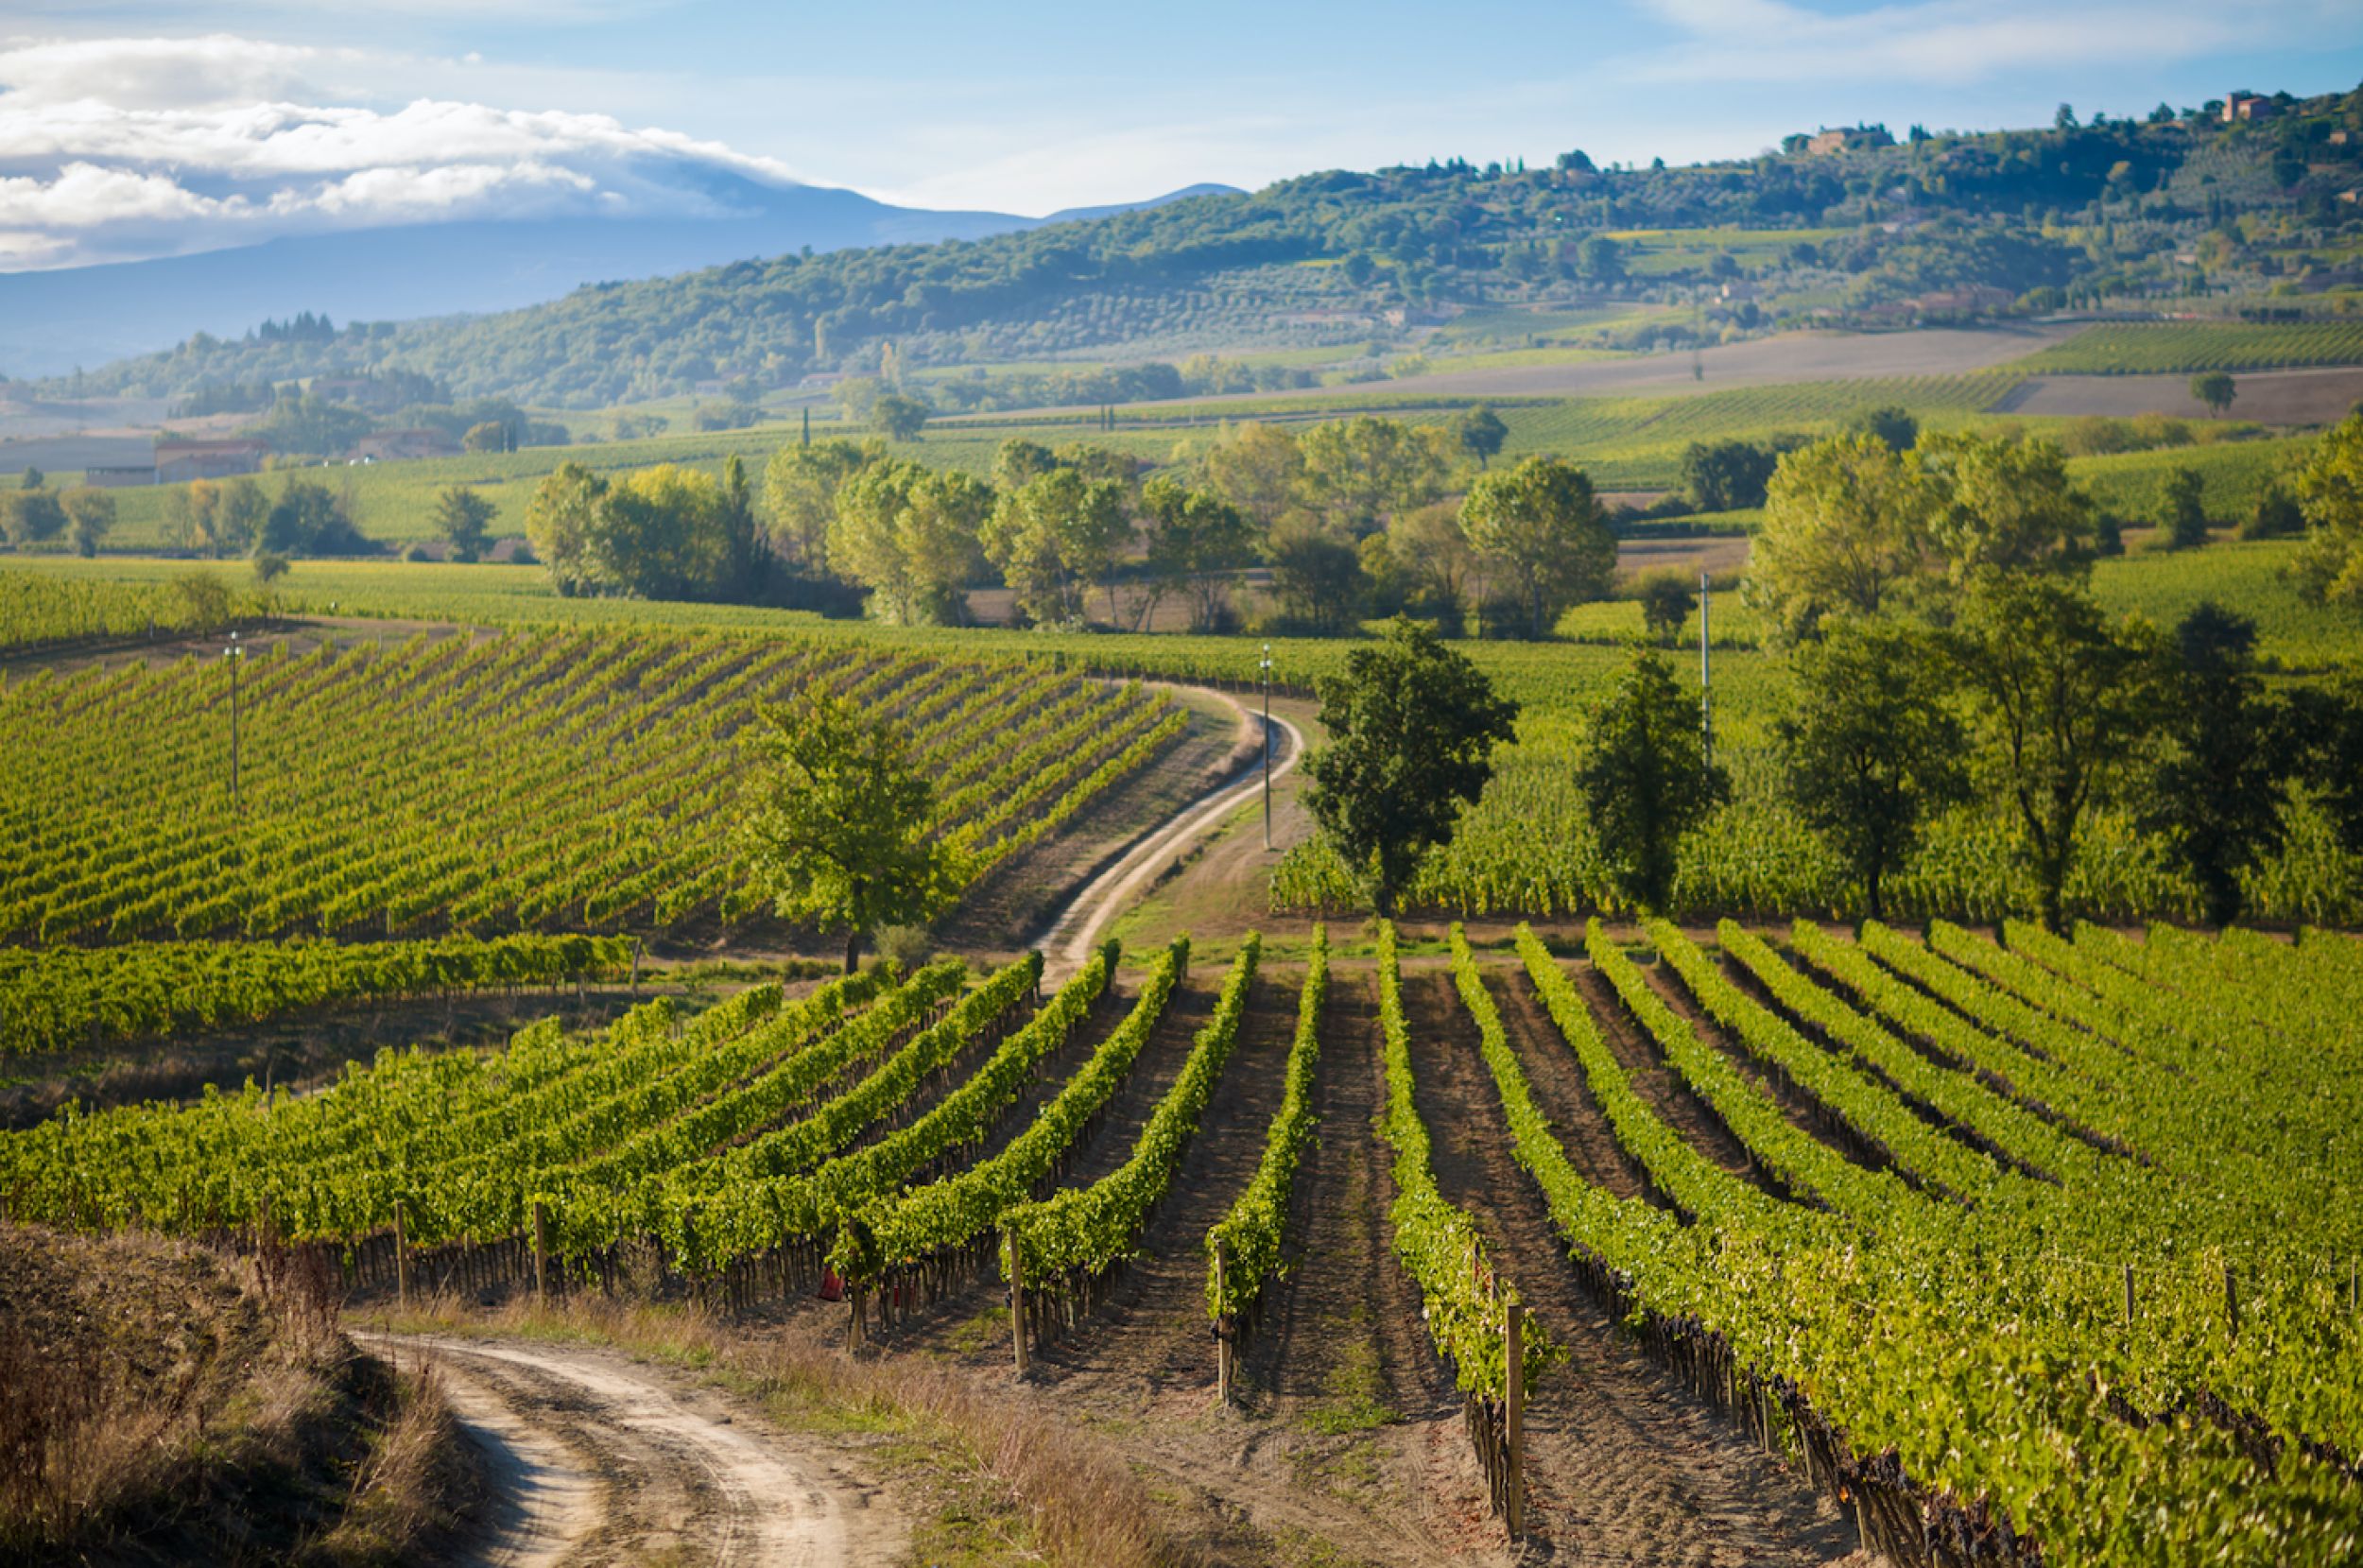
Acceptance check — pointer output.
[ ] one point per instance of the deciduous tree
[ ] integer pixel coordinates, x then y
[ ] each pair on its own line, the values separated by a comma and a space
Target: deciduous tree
2329, 488
2183, 507
799, 491
1870, 746
1845, 520
1644, 779
838, 823
1541, 525
1412, 725
462, 516
2214, 791
2061, 698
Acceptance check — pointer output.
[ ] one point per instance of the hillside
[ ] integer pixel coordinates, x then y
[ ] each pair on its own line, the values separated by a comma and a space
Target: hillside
2175, 212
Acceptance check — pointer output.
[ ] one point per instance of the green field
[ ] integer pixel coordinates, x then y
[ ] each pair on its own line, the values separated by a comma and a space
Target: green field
2126, 347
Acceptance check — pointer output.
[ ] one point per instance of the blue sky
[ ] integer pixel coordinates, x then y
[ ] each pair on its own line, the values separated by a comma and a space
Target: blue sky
137, 125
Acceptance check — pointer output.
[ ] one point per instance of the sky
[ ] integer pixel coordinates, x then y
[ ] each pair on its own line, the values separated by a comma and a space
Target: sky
139, 127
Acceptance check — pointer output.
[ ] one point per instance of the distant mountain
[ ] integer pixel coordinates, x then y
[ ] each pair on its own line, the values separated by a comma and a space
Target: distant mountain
1078, 215
52, 323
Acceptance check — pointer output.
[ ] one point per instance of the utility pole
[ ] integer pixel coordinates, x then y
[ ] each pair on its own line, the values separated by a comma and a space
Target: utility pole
233, 655
807, 440
1706, 672
1265, 668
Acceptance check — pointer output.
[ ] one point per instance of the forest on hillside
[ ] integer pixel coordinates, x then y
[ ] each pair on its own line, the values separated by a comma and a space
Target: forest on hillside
1885, 230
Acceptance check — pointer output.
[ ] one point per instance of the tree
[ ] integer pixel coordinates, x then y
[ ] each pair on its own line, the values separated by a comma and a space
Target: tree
1258, 468
2183, 507
1726, 475
1845, 520
1542, 525
1644, 779
746, 557
899, 418
2277, 514
269, 568
1999, 504
838, 824
799, 491
1317, 575
1197, 541
660, 533
1889, 423
1364, 470
307, 518
1018, 460
32, 478
2215, 389
206, 602
1054, 534
559, 523
2329, 488
2215, 791
1481, 432
2061, 699
1869, 745
463, 517
911, 536
1412, 725
1666, 601
90, 513
1600, 259
490, 435
29, 516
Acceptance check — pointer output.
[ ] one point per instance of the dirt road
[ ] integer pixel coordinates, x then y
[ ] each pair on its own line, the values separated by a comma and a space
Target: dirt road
595, 1460
1069, 941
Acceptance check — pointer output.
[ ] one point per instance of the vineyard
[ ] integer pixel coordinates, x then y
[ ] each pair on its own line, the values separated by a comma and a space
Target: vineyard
51, 1000
2003, 1244
536, 781
2123, 348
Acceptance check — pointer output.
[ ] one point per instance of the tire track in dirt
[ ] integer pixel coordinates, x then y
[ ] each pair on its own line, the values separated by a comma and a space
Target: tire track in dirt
1623, 1466
603, 1461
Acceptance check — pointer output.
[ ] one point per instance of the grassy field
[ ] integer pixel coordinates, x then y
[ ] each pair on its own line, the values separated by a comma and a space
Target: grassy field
2136, 347
1625, 442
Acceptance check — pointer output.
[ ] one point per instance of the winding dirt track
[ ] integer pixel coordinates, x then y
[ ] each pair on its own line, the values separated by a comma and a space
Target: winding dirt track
597, 1460
1066, 947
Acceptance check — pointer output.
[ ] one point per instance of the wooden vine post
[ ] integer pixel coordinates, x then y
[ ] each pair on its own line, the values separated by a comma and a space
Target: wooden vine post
1514, 1413
2232, 1300
1017, 1297
402, 1258
2129, 1297
541, 1250
1222, 1323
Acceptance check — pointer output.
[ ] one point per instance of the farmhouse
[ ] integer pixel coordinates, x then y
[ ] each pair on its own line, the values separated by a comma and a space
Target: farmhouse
2245, 106
1846, 138
385, 446
180, 461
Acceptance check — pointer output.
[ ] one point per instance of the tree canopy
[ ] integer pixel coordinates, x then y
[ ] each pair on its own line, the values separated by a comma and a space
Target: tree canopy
838, 821
1412, 728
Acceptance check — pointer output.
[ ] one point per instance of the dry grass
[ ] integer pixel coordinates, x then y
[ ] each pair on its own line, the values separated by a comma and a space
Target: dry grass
158, 1404
1086, 1509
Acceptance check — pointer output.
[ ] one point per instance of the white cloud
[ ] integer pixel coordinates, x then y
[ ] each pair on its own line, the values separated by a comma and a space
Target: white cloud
121, 148
1951, 41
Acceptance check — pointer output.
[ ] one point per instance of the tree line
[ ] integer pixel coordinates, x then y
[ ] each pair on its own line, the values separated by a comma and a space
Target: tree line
1353, 518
